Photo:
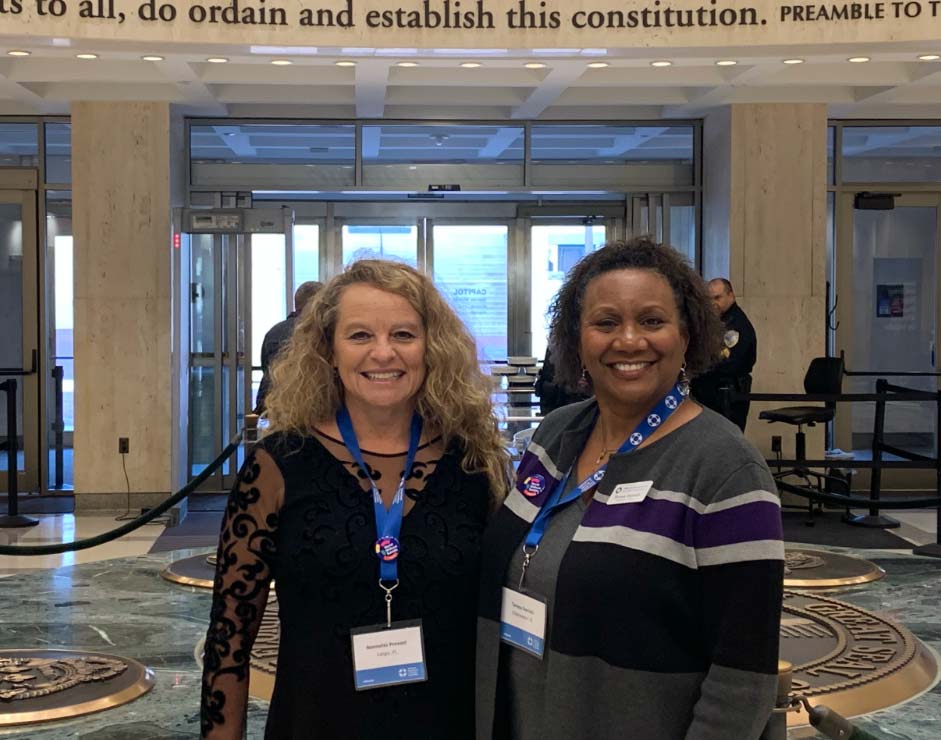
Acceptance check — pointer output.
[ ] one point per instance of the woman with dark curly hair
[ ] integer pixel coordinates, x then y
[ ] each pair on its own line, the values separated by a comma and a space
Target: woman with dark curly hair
632, 580
366, 502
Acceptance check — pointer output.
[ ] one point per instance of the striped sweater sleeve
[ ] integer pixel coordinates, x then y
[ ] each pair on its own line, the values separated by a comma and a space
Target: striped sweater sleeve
740, 556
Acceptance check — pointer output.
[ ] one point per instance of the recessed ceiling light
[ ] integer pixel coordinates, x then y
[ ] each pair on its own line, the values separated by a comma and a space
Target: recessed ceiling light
597, 65
406, 64
858, 60
345, 63
929, 57
793, 61
217, 60
281, 62
86, 56
726, 63
152, 58
18, 53
470, 65
534, 65
662, 63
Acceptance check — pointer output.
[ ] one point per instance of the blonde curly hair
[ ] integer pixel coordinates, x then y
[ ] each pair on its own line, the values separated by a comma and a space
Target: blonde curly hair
453, 401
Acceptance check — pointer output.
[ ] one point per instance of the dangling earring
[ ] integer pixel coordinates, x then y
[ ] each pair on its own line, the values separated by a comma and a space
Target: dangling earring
584, 382
683, 380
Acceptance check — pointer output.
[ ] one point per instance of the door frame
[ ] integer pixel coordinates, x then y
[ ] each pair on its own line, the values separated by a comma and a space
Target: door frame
12, 192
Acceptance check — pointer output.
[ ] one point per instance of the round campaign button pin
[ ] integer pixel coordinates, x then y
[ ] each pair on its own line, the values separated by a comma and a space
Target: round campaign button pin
534, 485
387, 548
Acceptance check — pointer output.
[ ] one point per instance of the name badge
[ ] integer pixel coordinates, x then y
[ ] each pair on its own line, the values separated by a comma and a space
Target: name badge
523, 622
630, 493
388, 656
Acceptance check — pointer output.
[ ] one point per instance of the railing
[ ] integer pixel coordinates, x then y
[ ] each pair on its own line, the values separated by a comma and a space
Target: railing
886, 393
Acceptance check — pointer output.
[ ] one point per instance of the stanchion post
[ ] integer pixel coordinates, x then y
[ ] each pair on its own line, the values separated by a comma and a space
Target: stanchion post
13, 517
874, 518
933, 549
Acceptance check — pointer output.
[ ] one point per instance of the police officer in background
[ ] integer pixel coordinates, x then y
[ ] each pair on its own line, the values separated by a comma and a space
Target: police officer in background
739, 353
278, 336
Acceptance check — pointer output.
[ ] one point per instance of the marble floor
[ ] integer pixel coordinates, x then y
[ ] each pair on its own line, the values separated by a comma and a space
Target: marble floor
112, 599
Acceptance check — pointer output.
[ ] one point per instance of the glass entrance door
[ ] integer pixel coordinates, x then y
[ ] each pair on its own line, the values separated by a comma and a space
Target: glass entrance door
891, 284
238, 289
470, 267
19, 333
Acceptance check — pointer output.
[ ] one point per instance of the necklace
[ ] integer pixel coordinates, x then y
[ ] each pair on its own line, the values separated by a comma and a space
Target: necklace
605, 450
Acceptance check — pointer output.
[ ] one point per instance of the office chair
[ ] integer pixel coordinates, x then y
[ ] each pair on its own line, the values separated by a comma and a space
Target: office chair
824, 376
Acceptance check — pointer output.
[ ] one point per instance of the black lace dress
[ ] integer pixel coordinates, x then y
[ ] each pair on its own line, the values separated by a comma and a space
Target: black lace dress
302, 514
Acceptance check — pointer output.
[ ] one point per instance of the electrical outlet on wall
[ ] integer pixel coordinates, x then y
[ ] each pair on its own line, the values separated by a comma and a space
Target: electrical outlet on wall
124, 445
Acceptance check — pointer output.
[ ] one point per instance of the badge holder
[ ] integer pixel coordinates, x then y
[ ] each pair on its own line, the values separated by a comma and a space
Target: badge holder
388, 655
523, 616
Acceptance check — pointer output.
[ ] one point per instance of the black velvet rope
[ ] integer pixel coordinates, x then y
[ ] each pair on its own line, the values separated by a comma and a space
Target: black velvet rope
134, 523
859, 503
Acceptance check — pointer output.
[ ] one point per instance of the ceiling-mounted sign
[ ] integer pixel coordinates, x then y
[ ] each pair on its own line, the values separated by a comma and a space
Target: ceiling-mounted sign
475, 24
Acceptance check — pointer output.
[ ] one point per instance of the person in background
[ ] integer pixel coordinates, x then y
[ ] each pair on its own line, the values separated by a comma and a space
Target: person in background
366, 502
632, 581
737, 357
278, 336
551, 394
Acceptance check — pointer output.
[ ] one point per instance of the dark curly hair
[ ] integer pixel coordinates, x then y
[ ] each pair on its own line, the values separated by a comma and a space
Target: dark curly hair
692, 301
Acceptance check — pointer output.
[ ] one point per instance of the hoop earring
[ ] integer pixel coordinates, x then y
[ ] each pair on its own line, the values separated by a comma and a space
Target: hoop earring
683, 380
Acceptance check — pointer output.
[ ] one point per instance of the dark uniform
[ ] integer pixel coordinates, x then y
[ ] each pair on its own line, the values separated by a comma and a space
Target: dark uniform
274, 340
740, 353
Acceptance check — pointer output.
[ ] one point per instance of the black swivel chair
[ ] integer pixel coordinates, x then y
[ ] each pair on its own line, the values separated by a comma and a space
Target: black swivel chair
824, 376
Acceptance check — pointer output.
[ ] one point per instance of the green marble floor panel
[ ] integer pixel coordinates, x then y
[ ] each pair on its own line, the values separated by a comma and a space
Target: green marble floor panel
124, 607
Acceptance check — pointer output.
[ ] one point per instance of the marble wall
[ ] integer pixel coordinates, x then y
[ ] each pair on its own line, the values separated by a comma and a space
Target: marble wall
121, 186
765, 229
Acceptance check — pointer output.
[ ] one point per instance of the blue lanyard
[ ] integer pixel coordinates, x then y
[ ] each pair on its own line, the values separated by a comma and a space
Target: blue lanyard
388, 522
661, 412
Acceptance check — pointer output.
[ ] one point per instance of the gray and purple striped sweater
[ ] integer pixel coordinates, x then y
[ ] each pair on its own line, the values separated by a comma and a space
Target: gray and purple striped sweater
664, 614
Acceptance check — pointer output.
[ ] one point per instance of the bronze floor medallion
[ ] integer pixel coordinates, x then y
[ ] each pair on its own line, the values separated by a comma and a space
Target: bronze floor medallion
805, 568
850, 659
199, 571
843, 656
45, 685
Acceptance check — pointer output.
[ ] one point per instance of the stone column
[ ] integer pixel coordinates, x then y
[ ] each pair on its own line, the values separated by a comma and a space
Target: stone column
122, 251
764, 228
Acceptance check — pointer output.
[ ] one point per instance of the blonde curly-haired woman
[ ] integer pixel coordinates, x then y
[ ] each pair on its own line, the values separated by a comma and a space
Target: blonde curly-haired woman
366, 502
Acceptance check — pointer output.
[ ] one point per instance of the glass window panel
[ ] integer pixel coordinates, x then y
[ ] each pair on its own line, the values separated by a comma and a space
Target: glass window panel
19, 145
831, 137
268, 288
891, 154
580, 143
11, 308
381, 241
60, 310
555, 250
471, 271
683, 230
58, 152
264, 143
202, 418
402, 144
306, 253
202, 298
894, 327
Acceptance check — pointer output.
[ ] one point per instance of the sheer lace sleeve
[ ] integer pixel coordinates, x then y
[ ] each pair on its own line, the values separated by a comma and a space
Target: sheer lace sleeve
240, 593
